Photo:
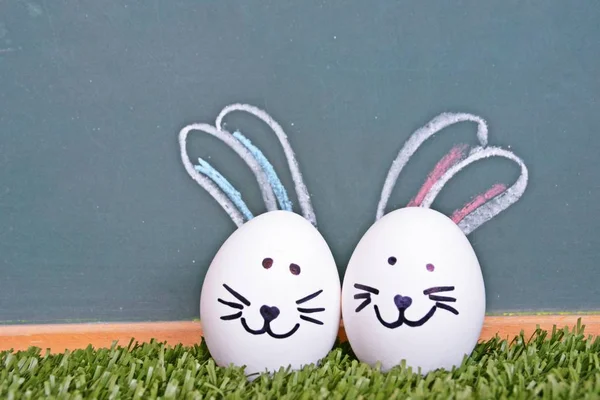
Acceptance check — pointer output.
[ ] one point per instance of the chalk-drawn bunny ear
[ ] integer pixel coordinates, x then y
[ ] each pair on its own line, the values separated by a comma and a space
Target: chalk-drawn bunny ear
300, 187
480, 209
215, 184
438, 123
486, 206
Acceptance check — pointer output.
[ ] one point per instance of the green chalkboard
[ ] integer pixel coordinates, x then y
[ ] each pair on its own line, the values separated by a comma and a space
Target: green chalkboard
99, 219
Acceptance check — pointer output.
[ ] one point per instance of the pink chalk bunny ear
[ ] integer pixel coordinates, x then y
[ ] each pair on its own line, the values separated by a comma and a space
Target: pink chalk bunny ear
480, 209
415, 141
486, 206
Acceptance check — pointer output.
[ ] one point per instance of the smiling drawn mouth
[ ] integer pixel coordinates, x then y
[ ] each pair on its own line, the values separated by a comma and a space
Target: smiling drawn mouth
269, 314
403, 320
267, 329
404, 302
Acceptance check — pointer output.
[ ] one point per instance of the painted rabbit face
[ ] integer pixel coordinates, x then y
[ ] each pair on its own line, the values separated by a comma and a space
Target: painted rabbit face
413, 291
271, 296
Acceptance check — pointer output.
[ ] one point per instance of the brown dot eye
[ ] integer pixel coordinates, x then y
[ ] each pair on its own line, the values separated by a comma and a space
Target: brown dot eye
295, 269
430, 267
392, 260
267, 263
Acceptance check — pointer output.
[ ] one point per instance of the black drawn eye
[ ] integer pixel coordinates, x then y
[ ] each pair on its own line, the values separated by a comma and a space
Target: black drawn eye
430, 267
295, 269
267, 263
392, 260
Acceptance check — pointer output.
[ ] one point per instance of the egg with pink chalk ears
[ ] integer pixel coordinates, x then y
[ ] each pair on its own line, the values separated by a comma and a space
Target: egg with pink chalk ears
413, 291
271, 297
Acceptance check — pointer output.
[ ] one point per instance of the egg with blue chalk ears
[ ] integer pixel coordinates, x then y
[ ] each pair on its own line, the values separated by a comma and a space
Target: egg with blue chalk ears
271, 296
413, 291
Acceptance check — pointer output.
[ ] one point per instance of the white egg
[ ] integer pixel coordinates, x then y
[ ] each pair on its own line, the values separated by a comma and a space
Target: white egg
413, 291
271, 296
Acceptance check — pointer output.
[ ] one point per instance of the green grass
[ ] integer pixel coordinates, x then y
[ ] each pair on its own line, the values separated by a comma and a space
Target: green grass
559, 364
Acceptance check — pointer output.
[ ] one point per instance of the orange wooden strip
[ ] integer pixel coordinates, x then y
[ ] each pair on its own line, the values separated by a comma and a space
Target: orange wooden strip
58, 338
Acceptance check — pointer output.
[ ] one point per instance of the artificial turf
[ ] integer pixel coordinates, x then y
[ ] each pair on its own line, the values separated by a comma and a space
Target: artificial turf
559, 364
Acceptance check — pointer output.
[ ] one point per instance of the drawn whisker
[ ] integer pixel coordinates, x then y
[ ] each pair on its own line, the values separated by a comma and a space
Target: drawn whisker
309, 297
442, 298
438, 289
237, 295
447, 307
312, 320
310, 310
231, 316
366, 288
363, 304
362, 296
231, 304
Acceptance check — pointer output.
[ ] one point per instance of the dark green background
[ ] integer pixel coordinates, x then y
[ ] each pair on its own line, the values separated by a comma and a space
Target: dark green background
99, 221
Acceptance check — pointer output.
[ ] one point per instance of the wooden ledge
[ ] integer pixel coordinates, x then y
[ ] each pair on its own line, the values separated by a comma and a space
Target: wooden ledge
58, 338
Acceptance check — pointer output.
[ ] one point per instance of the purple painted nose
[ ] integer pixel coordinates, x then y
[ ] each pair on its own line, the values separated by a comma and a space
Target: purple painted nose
269, 313
402, 302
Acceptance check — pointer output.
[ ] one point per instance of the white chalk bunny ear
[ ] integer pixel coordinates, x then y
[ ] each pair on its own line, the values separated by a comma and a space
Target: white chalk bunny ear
220, 189
480, 209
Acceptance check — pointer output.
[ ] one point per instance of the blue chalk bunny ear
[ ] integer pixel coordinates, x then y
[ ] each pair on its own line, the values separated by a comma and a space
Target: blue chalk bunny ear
234, 195
214, 183
275, 184
274, 181
236, 198
223, 191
